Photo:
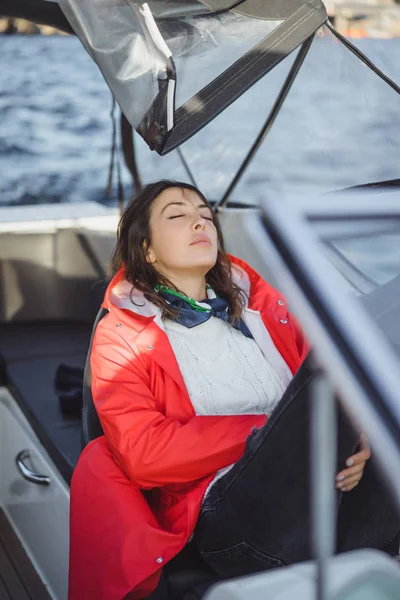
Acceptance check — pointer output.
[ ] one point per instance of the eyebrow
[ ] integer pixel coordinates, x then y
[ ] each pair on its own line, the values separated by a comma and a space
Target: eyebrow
183, 204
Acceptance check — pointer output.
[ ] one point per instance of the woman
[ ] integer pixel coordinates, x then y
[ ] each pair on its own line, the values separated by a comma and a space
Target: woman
194, 354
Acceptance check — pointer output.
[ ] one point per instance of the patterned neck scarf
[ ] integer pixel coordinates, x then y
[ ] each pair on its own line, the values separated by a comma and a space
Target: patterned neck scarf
191, 313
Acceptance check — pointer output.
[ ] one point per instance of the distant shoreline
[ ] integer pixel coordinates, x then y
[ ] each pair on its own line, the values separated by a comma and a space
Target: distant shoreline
379, 24
10, 26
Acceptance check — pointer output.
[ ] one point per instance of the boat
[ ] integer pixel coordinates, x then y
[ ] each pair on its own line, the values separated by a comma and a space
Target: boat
55, 261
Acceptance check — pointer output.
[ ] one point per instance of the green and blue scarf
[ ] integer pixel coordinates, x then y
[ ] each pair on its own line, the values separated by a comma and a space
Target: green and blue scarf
190, 312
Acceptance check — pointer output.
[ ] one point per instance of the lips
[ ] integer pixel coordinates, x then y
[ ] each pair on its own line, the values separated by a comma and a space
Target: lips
200, 239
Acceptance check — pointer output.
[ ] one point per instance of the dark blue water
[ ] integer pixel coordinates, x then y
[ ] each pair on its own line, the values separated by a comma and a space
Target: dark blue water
340, 126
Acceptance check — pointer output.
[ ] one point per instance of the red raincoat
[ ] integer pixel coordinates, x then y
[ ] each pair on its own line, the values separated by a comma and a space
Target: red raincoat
137, 491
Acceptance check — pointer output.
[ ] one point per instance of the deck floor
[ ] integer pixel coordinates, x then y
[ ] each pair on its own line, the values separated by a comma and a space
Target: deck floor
18, 578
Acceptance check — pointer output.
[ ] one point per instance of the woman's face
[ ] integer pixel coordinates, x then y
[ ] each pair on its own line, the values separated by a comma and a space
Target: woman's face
183, 235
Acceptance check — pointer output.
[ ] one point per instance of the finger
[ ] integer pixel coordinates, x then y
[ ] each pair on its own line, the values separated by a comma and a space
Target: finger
350, 471
346, 484
349, 487
359, 457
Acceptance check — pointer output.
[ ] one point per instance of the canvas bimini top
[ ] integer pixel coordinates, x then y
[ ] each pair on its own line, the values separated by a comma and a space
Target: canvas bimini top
174, 65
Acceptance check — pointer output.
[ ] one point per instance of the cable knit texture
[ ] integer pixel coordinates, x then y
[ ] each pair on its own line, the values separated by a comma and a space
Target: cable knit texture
225, 373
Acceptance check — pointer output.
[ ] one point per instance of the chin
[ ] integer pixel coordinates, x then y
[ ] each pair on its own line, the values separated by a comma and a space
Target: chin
204, 265
202, 260
207, 266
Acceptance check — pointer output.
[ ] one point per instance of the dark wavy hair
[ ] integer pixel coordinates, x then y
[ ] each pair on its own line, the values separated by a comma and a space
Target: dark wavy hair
133, 239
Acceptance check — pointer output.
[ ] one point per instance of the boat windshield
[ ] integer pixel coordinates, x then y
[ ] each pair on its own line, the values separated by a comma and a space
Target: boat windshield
367, 253
375, 255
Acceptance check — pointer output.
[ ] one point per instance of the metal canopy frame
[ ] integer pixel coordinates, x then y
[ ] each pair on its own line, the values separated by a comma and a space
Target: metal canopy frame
268, 123
279, 103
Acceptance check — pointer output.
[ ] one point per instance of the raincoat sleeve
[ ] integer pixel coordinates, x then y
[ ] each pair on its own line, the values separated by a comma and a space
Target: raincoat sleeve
151, 449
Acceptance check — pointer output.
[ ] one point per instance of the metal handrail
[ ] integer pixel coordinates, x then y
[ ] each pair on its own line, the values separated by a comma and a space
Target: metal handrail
368, 380
356, 358
323, 462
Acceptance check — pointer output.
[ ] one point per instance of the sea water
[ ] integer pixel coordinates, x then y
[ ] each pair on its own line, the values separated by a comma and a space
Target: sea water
340, 126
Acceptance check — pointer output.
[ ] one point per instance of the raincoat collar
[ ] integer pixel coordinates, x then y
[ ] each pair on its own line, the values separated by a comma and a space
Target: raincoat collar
147, 326
123, 294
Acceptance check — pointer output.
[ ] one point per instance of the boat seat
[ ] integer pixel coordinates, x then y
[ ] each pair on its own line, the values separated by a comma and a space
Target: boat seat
91, 427
187, 569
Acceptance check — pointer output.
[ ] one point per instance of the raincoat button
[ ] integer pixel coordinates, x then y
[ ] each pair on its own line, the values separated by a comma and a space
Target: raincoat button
283, 321
150, 347
281, 303
118, 324
159, 559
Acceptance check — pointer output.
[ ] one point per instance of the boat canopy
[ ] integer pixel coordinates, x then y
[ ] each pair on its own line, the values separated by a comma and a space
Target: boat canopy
174, 65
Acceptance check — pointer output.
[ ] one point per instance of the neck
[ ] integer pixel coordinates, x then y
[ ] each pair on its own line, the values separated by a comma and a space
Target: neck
192, 287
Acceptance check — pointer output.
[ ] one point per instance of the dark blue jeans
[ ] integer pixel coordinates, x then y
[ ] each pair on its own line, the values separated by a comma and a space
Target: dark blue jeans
257, 516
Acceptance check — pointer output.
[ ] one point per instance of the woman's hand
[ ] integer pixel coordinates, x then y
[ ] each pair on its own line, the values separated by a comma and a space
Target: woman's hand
347, 479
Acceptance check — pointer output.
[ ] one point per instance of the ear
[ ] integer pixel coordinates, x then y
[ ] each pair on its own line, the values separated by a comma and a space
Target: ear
149, 253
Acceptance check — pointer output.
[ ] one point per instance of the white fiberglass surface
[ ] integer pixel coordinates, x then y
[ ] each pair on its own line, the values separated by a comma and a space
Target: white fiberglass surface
39, 514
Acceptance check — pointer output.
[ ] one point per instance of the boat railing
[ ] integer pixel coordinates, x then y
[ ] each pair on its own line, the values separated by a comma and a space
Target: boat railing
359, 364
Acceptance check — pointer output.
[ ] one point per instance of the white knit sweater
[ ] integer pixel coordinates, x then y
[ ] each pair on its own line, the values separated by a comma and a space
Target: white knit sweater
225, 372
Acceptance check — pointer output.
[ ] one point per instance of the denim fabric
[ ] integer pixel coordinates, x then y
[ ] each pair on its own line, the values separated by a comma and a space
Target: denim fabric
257, 516
185, 577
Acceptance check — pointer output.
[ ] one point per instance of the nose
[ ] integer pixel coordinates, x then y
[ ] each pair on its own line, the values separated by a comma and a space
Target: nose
199, 222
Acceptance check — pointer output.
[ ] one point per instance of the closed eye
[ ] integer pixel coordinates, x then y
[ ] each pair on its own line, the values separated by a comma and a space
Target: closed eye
178, 216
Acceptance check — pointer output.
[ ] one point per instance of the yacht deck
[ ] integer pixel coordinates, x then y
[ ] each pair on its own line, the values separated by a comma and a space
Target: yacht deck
18, 578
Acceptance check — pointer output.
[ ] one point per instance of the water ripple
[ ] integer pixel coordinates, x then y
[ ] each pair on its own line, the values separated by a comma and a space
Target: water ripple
339, 126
